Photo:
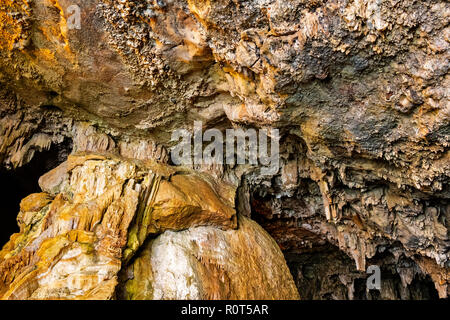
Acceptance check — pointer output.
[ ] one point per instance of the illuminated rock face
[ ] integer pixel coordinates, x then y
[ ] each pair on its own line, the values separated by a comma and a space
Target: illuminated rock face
100, 210
209, 263
358, 90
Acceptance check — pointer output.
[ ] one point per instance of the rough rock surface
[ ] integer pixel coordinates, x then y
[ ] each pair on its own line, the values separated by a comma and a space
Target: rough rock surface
207, 263
96, 212
358, 88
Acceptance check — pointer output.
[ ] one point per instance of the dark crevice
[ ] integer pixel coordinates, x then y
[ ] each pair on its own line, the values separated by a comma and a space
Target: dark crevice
51, 108
18, 183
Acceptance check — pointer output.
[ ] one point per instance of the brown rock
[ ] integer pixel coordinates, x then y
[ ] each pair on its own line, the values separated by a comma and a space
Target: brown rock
35, 202
72, 246
208, 263
358, 89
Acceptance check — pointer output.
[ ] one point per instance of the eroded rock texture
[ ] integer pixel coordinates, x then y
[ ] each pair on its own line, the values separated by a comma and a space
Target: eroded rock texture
208, 263
96, 212
357, 88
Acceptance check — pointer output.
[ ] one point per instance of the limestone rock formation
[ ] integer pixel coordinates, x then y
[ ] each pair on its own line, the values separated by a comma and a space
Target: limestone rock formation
208, 263
358, 89
97, 211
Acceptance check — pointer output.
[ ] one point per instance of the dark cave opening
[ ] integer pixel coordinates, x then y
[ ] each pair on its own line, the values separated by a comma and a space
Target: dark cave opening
18, 183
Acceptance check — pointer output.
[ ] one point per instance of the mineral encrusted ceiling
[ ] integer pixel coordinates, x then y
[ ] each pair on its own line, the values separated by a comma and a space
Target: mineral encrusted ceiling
359, 90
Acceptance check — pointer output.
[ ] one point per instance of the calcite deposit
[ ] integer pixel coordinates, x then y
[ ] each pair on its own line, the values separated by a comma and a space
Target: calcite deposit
97, 211
208, 263
358, 89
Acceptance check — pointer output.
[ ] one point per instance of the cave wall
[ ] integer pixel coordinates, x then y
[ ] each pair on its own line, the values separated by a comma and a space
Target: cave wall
358, 90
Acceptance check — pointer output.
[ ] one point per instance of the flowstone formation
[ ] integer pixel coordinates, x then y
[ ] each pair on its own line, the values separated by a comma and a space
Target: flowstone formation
97, 212
358, 90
